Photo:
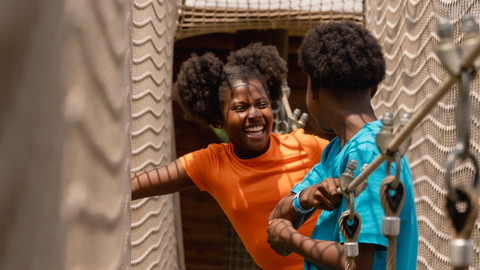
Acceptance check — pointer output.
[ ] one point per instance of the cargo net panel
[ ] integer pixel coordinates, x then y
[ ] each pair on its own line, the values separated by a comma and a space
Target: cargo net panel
407, 31
156, 242
197, 17
235, 255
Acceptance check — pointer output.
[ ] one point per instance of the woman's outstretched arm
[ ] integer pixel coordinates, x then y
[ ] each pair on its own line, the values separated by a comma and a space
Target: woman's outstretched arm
163, 180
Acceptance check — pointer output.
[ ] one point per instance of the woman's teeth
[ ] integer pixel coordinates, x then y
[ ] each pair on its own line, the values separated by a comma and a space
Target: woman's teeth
254, 131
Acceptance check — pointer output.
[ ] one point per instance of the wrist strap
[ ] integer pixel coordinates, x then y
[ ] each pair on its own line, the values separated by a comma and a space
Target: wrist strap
298, 207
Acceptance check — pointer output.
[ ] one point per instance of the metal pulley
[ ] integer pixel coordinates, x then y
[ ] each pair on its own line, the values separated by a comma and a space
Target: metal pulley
347, 177
385, 136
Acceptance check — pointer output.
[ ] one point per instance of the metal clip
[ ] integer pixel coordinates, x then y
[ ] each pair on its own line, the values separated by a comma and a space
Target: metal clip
462, 151
296, 120
385, 136
347, 177
447, 52
470, 38
398, 167
280, 126
458, 154
402, 149
351, 206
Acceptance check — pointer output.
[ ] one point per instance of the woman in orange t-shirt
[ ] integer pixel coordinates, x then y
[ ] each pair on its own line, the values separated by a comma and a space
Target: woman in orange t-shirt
249, 175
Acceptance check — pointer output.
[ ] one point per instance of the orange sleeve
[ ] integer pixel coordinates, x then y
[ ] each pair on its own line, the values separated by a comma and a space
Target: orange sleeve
199, 165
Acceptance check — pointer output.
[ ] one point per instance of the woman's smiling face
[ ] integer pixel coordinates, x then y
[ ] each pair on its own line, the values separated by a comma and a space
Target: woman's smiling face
248, 118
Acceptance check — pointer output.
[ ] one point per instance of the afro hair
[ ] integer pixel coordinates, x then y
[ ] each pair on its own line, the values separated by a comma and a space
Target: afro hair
342, 56
267, 61
196, 88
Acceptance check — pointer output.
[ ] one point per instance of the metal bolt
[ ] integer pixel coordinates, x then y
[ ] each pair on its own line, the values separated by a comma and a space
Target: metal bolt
296, 113
445, 30
303, 118
352, 164
387, 119
404, 119
469, 25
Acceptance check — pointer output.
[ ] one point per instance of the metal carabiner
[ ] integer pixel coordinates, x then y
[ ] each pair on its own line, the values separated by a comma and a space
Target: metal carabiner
463, 114
459, 154
462, 151
398, 168
282, 127
351, 206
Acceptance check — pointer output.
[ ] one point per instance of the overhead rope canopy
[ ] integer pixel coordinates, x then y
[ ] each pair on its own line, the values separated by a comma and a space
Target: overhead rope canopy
197, 17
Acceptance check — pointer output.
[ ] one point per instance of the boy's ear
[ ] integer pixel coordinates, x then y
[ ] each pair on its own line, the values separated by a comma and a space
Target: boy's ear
373, 91
313, 88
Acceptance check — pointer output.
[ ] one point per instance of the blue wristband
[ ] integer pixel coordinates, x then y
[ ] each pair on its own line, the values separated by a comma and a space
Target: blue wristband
298, 207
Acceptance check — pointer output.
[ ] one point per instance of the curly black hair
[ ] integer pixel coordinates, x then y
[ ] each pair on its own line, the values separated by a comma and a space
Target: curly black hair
342, 56
204, 82
267, 61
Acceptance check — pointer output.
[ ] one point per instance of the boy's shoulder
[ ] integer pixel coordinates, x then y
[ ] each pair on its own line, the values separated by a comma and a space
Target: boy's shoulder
364, 140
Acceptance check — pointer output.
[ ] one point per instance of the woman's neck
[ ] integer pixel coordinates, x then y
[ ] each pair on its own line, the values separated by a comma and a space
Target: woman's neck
243, 153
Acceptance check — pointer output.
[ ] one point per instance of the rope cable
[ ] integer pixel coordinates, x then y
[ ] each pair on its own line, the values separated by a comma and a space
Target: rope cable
350, 233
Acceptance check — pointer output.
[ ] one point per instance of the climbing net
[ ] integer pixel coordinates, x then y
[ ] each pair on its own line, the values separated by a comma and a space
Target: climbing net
407, 31
461, 201
197, 17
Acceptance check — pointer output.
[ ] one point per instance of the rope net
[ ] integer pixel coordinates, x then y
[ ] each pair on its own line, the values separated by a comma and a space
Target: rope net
156, 238
407, 30
199, 17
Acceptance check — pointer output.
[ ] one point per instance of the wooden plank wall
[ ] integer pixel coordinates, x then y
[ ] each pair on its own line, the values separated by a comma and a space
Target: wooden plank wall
203, 219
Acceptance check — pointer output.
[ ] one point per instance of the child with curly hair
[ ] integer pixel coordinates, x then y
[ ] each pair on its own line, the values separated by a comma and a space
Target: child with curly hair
249, 175
345, 64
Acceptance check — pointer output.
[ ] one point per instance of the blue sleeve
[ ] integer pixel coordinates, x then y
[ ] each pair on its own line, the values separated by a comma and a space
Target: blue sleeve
367, 204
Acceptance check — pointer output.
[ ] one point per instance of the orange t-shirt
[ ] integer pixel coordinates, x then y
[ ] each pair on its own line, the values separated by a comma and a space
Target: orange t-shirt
249, 189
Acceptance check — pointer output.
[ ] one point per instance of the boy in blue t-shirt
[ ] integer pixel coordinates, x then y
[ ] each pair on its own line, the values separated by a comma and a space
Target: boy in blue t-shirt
345, 64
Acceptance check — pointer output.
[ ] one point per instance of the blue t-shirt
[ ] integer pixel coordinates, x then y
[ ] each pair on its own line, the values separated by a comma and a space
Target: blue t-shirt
334, 160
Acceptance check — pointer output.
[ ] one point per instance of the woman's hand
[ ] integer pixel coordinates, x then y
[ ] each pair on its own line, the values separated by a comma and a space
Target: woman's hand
279, 232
